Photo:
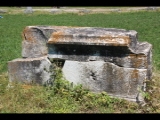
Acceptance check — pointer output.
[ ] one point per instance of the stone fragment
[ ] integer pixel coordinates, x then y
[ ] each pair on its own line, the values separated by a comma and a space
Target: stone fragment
55, 11
85, 11
30, 70
35, 39
28, 10
99, 76
3, 11
151, 8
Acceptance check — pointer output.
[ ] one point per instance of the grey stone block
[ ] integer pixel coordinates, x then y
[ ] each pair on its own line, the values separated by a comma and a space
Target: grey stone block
35, 39
54, 11
99, 76
28, 10
30, 70
3, 11
101, 59
151, 8
85, 11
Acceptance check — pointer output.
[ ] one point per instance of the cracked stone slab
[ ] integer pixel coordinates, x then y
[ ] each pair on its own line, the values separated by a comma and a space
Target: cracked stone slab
30, 70
101, 76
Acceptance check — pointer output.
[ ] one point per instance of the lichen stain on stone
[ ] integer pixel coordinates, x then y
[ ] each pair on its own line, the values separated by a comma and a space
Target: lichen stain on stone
138, 60
60, 37
56, 36
13, 67
134, 74
27, 35
116, 41
141, 59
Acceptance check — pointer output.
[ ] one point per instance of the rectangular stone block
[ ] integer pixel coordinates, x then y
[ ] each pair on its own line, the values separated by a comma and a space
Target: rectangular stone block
101, 59
35, 39
94, 36
99, 76
30, 70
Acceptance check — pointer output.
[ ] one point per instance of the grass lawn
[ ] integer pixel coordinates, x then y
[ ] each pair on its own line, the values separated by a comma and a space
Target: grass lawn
41, 99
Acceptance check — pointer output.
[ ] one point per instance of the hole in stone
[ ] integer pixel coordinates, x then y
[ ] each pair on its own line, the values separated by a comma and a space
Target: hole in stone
91, 60
93, 76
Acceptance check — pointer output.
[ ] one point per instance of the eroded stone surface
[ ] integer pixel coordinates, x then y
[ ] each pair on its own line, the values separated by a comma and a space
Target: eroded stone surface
30, 70
114, 54
101, 76
101, 59
40, 35
35, 39
94, 36
118, 46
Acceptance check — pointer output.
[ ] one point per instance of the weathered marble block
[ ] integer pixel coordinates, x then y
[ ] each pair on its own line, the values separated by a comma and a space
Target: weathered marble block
117, 46
101, 59
101, 76
30, 70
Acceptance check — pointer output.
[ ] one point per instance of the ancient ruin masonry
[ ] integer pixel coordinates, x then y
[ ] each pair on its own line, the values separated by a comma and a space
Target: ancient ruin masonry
101, 59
